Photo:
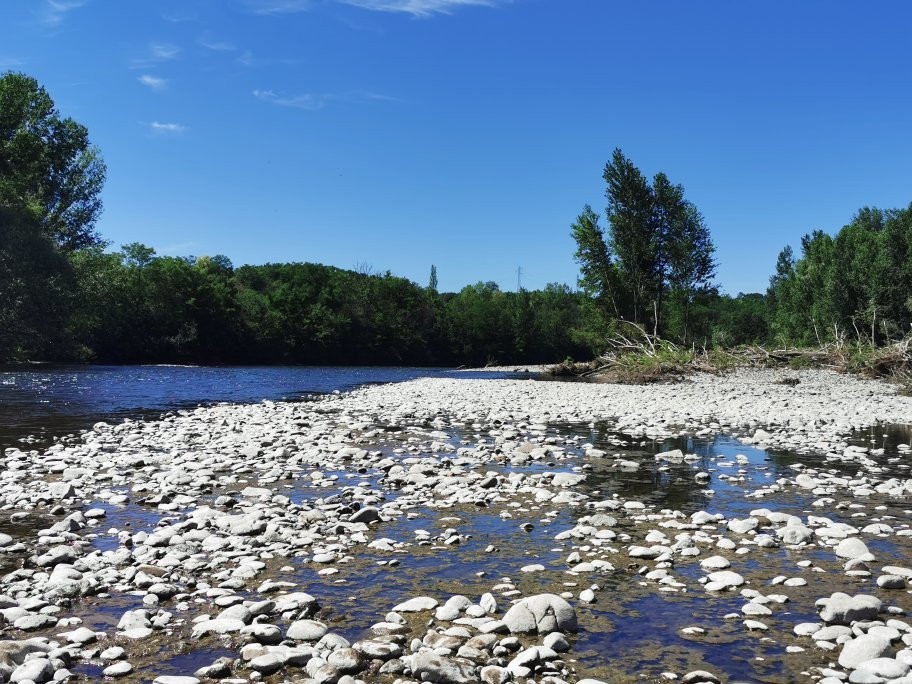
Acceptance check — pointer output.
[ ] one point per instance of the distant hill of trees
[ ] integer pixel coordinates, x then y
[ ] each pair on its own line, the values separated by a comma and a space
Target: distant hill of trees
65, 296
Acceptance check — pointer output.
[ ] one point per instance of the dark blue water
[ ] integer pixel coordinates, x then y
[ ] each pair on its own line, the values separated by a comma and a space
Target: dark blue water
50, 401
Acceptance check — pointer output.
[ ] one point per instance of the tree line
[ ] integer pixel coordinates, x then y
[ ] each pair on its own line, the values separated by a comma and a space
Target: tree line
856, 284
65, 295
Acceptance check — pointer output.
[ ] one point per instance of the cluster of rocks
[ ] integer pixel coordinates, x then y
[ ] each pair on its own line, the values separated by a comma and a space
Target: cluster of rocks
219, 526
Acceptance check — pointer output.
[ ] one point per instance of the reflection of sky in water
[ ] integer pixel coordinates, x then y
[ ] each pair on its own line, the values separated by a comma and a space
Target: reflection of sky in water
59, 399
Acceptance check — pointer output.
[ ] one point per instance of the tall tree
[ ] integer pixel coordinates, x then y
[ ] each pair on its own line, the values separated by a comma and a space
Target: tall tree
598, 273
432, 281
47, 164
669, 208
636, 238
688, 262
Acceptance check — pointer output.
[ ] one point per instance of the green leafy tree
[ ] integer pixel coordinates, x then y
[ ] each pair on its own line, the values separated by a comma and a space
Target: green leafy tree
35, 289
688, 261
636, 238
47, 163
598, 273
658, 251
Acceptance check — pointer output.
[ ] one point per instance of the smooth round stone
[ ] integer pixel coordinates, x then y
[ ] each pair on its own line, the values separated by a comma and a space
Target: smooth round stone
416, 605
112, 653
891, 582
306, 630
37, 670
807, 628
715, 563
118, 669
887, 668
853, 548
267, 664
724, 579
755, 609
861, 649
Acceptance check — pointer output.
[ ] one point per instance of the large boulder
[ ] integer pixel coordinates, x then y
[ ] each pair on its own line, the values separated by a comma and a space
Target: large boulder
863, 648
842, 609
37, 670
853, 549
542, 614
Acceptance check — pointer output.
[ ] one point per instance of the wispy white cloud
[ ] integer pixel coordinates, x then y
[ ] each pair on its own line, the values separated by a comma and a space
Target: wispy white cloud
278, 6
362, 95
160, 128
54, 11
248, 59
217, 45
419, 8
315, 101
309, 101
163, 51
153, 82
155, 53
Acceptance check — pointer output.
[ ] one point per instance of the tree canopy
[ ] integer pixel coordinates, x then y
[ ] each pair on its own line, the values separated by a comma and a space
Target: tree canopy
47, 164
657, 258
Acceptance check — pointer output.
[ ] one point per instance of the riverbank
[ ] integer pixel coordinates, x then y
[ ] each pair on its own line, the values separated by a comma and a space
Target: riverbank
473, 530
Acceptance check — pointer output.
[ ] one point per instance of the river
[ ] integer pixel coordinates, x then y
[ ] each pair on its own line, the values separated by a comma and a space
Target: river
39, 403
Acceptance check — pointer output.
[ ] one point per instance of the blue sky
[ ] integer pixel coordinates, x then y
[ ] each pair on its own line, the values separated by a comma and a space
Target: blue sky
469, 133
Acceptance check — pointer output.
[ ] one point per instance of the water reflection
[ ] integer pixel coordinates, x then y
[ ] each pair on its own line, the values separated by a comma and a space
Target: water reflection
55, 400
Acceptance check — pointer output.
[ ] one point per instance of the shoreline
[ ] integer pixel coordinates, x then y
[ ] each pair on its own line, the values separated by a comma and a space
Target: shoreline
477, 510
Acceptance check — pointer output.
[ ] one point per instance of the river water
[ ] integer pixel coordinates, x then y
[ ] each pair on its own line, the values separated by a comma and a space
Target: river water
47, 401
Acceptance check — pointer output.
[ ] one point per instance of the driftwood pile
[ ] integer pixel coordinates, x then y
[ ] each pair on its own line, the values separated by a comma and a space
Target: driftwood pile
641, 357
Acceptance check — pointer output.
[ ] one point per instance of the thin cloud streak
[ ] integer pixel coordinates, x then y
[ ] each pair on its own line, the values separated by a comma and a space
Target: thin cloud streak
278, 6
416, 8
166, 128
419, 8
153, 82
56, 10
164, 51
309, 101
155, 54
315, 101
217, 46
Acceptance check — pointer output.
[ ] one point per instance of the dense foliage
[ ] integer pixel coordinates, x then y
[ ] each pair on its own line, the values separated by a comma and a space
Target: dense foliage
64, 295
654, 266
855, 285
47, 166
134, 306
